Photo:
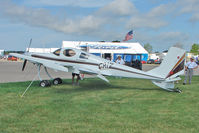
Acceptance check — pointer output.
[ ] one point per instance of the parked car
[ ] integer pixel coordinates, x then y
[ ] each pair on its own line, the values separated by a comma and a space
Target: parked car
12, 58
150, 61
158, 61
143, 62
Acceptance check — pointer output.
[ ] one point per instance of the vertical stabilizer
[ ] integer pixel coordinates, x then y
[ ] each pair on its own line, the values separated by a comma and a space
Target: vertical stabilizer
172, 65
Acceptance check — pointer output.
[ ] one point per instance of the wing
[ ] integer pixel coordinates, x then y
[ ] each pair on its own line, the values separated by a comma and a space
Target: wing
43, 62
59, 67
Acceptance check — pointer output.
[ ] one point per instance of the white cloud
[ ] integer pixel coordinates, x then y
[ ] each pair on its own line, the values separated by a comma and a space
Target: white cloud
75, 3
86, 25
164, 40
188, 7
43, 18
143, 21
117, 12
195, 17
110, 21
154, 19
173, 36
121, 13
118, 8
161, 10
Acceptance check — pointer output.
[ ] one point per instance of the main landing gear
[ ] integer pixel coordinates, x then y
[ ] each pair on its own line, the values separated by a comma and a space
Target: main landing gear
47, 83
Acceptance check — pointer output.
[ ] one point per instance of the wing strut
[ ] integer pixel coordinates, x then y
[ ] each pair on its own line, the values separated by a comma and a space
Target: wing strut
103, 78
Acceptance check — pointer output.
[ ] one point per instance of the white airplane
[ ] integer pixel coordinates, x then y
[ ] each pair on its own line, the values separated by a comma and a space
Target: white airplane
71, 59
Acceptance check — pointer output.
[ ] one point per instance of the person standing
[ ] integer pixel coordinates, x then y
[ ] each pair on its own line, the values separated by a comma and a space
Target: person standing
197, 59
75, 73
119, 60
189, 66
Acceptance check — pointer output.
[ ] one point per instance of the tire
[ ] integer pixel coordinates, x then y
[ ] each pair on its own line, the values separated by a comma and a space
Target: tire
45, 83
57, 81
60, 80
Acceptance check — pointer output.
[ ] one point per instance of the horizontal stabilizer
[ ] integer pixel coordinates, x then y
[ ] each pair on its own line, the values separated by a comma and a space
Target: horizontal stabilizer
165, 85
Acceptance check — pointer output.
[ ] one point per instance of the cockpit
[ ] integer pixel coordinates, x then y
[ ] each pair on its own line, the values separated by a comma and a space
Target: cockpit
66, 52
69, 52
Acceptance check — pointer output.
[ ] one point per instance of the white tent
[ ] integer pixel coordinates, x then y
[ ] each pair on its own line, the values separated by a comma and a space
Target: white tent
111, 49
104, 47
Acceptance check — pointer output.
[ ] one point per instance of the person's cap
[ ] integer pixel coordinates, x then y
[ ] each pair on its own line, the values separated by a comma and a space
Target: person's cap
192, 58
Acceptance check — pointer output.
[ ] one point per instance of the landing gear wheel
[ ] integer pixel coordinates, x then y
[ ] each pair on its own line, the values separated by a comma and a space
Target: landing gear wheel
45, 83
57, 81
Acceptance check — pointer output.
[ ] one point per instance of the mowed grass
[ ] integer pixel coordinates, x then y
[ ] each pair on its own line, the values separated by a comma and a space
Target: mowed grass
124, 106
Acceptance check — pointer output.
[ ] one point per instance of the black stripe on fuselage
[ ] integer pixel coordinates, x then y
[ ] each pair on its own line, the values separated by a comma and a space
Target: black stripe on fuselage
63, 60
88, 63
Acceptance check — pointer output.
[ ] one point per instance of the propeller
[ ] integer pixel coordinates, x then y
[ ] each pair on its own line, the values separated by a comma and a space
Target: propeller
24, 65
25, 61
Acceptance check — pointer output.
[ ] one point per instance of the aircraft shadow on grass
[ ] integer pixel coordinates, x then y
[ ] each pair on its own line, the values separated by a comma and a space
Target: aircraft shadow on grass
97, 85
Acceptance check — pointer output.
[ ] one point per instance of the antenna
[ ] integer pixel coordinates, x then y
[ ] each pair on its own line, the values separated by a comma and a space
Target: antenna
29, 45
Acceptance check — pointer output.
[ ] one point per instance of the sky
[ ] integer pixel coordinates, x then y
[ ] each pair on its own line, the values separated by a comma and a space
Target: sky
161, 23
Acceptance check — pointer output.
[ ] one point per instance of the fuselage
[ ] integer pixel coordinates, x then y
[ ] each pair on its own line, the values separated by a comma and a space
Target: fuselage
91, 64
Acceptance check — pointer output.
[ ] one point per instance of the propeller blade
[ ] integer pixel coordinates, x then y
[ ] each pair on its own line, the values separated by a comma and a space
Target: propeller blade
24, 65
29, 45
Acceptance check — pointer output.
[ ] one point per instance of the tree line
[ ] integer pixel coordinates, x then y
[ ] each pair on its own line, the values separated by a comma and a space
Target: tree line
194, 48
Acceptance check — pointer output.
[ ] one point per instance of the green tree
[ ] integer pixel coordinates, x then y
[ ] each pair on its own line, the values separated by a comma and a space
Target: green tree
148, 47
194, 48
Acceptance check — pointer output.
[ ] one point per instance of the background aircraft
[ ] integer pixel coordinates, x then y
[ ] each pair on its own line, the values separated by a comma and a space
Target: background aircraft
71, 59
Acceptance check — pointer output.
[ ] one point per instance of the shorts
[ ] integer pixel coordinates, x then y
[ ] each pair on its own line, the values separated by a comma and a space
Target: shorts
73, 74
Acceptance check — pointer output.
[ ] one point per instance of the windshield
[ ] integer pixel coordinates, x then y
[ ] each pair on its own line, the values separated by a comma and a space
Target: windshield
57, 52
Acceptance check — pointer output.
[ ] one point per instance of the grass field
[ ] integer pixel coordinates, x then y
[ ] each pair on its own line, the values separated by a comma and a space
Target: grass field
124, 106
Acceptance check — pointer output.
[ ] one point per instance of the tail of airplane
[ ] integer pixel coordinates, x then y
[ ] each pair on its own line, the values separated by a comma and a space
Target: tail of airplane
172, 64
171, 67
